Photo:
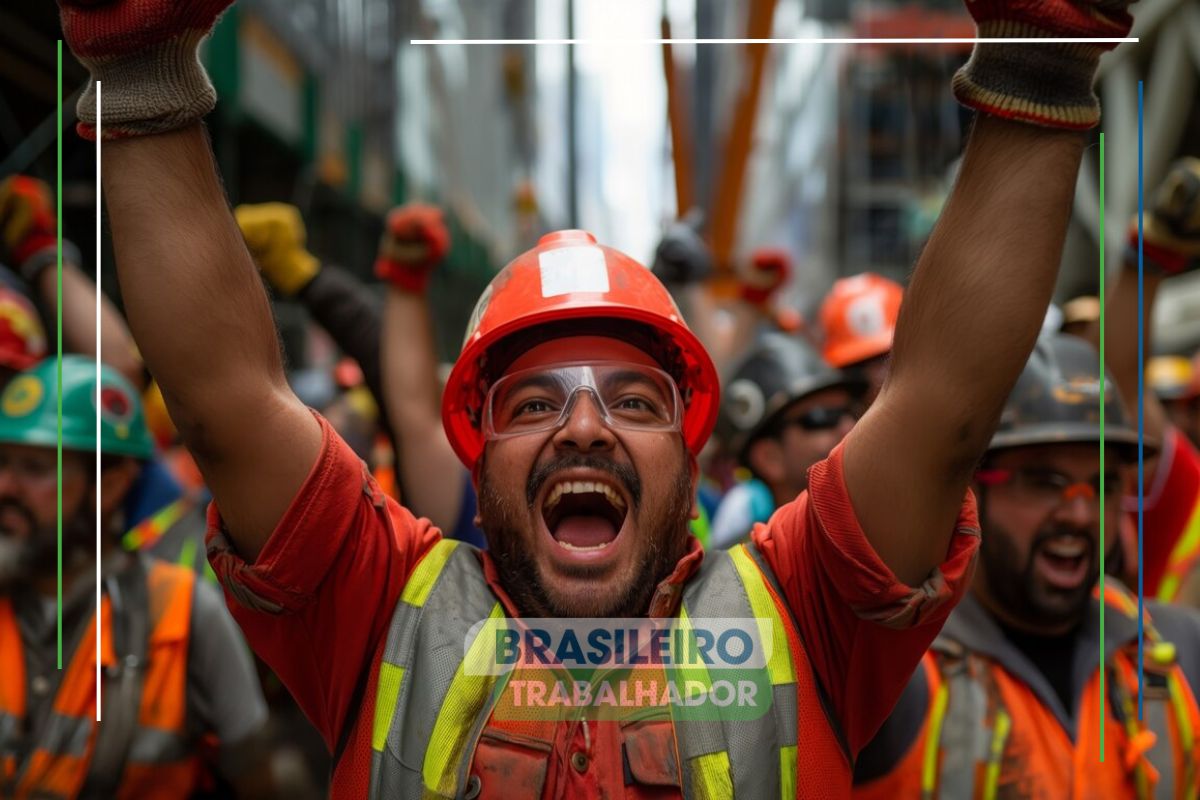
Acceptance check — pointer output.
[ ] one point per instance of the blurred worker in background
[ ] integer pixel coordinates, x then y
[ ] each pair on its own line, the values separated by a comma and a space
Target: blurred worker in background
1008, 702
1175, 381
1171, 493
580, 403
175, 667
858, 318
784, 409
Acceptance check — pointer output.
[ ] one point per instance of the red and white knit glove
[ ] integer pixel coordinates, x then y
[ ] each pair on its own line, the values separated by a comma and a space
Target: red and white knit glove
1043, 84
770, 268
414, 240
146, 54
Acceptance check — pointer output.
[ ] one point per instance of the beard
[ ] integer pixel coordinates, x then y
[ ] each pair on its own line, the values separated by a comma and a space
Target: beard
1014, 584
661, 526
33, 553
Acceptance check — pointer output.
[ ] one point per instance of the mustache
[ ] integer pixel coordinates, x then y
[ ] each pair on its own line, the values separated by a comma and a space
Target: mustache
8, 504
624, 473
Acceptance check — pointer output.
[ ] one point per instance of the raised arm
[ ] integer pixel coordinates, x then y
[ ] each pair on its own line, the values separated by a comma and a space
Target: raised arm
193, 298
976, 300
414, 241
28, 220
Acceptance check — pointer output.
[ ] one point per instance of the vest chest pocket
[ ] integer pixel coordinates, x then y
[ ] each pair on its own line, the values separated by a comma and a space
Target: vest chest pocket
648, 753
508, 765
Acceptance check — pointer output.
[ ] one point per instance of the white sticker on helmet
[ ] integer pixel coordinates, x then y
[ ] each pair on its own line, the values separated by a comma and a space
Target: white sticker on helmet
566, 270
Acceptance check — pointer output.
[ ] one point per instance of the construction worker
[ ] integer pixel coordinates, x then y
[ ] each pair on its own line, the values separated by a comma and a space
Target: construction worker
1008, 702
176, 669
858, 317
1171, 495
579, 403
785, 410
1175, 381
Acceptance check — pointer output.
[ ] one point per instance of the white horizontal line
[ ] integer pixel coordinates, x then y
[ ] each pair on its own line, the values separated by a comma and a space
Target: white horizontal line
811, 40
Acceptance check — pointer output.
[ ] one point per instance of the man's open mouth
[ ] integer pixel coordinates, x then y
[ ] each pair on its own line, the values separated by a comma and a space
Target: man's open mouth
584, 515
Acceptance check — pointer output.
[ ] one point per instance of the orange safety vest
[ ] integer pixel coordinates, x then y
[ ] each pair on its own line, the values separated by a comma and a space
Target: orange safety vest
987, 735
160, 764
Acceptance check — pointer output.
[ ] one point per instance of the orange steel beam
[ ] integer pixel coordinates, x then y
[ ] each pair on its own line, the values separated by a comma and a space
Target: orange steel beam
727, 200
681, 140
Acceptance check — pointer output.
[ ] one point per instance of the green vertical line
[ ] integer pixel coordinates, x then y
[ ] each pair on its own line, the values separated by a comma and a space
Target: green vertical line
58, 321
1103, 546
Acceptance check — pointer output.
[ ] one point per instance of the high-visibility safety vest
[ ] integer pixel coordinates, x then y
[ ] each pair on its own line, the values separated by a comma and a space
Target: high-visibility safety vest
1184, 558
159, 763
968, 746
434, 724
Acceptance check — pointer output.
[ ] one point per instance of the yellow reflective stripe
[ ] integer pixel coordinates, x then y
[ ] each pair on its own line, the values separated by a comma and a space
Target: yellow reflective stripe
468, 689
1187, 737
1125, 697
933, 741
712, 778
779, 665
420, 583
999, 737
787, 770
1181, 555
187, 553
149, 530
386, 695
696, 671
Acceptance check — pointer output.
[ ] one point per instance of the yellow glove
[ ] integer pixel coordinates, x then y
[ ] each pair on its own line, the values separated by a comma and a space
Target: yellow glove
274, 234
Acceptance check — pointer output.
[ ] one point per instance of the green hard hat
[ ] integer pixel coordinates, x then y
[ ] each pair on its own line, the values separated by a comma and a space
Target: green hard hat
29, 409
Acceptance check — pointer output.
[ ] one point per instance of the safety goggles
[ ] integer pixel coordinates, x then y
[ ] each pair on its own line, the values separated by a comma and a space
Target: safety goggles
821, 418
1049, 489
628, 396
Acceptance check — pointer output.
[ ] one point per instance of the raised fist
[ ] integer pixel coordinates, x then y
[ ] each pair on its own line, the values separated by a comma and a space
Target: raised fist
682, 256
145, 52
1044, 84
1171, 225
27, 219
770, 268
275, 235
414, 240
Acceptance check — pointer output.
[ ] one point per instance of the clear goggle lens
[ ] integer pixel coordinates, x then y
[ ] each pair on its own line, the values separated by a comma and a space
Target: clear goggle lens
630, 396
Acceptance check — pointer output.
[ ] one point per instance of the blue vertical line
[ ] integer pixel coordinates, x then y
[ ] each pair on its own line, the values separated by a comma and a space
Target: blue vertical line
1141, 419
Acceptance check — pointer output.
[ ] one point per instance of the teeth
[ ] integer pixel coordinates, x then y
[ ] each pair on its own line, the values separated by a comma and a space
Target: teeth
584, 549
1066, 548
583, 487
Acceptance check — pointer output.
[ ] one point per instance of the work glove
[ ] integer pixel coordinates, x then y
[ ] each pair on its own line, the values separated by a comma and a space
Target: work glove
414, 240
1171, 225
274, 234
770, 268
145, 52
682, 256
1043, 84
28, 227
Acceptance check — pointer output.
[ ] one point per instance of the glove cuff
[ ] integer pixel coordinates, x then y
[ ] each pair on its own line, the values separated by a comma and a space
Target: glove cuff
32, 265
33, 244
407, 278
1042, 84
160, 88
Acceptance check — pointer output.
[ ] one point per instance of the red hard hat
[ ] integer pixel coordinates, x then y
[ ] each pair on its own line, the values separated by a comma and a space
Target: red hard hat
22, 337
568, 277
858, 317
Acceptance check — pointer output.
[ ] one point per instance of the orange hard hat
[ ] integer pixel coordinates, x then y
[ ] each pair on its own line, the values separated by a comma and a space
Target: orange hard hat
858, 317
22, 337
1174, 377
567, 277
